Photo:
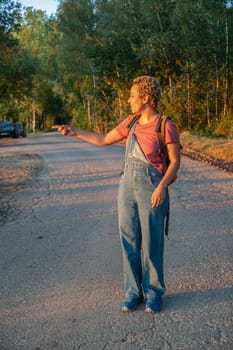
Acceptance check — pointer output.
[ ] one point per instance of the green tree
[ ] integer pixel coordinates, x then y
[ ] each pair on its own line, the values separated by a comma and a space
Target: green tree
37, 36
80, 63
14, 73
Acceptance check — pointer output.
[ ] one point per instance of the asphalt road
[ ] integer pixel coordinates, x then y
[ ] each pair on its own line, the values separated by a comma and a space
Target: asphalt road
61, 282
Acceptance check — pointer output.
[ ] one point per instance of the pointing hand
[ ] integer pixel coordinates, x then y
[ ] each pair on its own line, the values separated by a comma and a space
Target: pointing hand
66, 130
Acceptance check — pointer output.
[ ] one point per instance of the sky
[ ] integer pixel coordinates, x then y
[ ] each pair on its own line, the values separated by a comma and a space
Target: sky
50, 6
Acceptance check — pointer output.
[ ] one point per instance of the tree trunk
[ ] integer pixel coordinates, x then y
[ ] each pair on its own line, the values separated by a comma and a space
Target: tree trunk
208, 108
33, 118
216, 89
89, 112
120, 104
189, 107
225, 108
94, 89
216, 70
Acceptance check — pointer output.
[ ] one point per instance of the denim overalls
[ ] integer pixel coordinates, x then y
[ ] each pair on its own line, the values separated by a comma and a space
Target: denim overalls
141, 227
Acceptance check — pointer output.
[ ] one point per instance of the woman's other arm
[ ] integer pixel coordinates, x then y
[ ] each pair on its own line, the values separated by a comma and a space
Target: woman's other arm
159, 194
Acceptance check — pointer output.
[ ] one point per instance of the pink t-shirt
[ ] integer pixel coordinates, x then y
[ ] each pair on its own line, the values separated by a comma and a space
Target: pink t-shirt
147, 138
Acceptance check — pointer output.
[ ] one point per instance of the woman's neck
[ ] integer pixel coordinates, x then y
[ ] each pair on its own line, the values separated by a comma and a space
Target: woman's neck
147, 117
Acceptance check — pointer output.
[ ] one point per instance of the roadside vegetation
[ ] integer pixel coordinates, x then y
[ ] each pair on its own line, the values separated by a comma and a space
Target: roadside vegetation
215, 147
77, 65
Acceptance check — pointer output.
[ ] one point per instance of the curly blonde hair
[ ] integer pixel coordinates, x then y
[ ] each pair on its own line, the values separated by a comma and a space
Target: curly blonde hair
149, 86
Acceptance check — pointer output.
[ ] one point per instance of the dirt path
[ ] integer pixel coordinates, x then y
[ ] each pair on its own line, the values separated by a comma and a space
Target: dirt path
60, 258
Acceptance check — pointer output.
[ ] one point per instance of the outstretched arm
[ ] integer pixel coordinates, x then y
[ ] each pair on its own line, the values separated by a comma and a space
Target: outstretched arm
93, 137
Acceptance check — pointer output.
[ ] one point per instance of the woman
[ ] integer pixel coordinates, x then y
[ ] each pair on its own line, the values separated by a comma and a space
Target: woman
143, 192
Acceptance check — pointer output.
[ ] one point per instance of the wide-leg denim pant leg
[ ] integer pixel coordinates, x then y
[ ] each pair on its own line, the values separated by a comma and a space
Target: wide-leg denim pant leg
141, 230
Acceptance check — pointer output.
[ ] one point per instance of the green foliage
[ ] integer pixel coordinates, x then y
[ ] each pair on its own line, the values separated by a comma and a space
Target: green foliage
37, 37
78, 66
12, 59
225, 126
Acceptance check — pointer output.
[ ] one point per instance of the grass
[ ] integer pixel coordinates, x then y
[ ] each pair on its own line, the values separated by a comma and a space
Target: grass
216, 147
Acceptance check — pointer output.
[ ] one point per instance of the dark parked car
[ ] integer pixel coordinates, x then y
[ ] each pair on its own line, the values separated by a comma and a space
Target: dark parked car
11, 129
19, 130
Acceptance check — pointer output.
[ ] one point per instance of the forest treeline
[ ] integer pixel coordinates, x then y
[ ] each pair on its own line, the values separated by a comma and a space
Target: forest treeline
77, 66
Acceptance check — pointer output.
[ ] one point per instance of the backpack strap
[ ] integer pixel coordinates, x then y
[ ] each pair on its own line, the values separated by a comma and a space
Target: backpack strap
164, 119
133, 121
160, 130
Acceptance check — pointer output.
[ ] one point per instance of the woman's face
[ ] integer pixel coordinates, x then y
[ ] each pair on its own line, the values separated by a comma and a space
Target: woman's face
137, 103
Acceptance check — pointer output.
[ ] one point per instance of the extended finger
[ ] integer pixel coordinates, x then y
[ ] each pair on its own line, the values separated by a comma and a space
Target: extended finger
58, 126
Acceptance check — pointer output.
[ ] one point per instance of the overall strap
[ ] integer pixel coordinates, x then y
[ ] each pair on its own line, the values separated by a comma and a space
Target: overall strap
134, 147
130, 140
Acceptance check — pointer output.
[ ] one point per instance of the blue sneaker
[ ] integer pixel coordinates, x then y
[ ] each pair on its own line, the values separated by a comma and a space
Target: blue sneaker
153, 305
131, 303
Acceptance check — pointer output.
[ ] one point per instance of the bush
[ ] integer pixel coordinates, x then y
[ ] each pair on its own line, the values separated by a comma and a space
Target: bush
225, 127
